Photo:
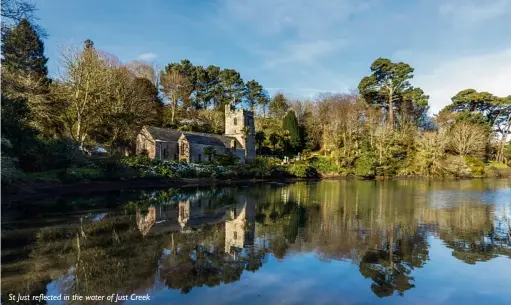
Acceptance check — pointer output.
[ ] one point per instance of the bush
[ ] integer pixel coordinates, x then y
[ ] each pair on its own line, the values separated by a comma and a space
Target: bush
324, 165
302, 170
113, 168
476, 166
262, 166
365, 166
228, 159
497, 169
456, 166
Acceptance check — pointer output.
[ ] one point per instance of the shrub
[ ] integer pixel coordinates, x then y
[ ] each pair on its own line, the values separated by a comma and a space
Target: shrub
302, 170
324, 165
476, 166
457, 167
365, 166
262, 166
497, 169
228, 159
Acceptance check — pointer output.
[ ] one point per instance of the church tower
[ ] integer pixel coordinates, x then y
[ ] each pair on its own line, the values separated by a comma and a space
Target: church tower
239, 124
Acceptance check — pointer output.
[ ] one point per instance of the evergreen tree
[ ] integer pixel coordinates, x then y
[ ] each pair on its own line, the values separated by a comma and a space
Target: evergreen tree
24, 77
23, 50
290, 123
278, 106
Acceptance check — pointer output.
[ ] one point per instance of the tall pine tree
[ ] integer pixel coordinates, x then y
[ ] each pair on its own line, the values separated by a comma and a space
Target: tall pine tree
25, 73
290, 124
23, 50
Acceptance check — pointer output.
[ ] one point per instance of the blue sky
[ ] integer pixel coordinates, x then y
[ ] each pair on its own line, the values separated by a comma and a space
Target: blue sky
300, 47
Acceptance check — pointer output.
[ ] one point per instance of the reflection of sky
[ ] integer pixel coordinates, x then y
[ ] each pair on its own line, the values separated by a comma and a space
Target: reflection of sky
303, 279
442, 199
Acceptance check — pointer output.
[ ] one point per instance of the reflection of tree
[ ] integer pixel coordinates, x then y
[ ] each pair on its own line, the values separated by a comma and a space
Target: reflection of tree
390, 268
198, 259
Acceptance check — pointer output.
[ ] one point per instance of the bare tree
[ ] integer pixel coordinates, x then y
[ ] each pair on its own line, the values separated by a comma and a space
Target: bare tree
468, 139
144, 70
430, 153
81, 89
173, 84
16, 10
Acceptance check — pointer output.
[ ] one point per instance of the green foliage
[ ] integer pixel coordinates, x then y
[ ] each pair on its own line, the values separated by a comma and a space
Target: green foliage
389, 87
365, 166
476, 166
228, 159
210, 152
23, 50
455, 166
262, 167
255, 95
278, 106
302, 170
497, 170
324, 165
290, 124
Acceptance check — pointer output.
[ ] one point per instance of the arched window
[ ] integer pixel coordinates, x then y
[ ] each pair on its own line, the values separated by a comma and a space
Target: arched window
235, 122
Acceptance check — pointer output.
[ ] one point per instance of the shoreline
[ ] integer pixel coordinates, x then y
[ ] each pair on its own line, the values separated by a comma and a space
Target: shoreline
41, 191
38, 191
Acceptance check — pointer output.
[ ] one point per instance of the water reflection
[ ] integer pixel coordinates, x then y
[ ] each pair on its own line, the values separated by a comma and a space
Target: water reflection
207, 237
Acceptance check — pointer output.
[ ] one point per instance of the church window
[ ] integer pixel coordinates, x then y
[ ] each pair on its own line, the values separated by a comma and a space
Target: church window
235, 122
235, 235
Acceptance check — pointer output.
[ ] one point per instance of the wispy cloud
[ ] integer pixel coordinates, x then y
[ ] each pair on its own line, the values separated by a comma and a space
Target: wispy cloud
483, 72
306, 18
469, 12
302, 52
147, 56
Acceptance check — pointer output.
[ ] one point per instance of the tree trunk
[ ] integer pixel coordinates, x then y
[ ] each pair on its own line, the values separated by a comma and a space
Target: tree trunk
391, 109
173, 111
500, 153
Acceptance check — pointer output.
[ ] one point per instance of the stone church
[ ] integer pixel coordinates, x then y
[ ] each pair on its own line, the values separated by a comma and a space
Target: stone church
187, 146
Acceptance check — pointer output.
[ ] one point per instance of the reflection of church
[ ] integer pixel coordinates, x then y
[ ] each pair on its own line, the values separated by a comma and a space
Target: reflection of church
240, 226
195, 211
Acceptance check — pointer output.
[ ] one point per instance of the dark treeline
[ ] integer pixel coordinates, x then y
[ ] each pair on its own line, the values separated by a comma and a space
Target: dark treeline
97, 101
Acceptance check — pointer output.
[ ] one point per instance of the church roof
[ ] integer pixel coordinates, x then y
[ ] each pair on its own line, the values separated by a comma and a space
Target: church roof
173, 135
164, 134
208, 139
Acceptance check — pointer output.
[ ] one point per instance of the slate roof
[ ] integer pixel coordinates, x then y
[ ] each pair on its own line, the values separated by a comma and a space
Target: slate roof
164, 134
208, 139
172, 135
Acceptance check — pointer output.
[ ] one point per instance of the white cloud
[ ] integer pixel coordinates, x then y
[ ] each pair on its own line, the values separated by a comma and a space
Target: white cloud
468, 13
308, 18
147, 56
302, 52
489, 72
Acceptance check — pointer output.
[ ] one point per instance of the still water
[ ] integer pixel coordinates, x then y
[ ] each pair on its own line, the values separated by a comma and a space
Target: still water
330, 242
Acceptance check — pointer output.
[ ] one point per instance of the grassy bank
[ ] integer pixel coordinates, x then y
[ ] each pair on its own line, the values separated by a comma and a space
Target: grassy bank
104, 174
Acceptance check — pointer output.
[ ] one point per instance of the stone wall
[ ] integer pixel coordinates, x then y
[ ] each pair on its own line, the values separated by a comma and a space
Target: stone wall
198, 149
145, 142
236, 124
184, 149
